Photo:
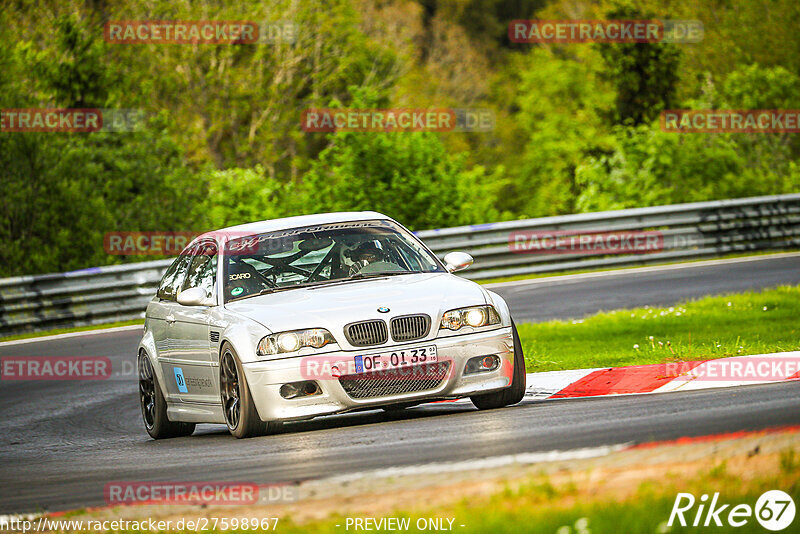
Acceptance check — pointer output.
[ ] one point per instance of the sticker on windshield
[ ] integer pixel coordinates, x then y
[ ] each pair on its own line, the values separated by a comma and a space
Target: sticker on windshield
237, 291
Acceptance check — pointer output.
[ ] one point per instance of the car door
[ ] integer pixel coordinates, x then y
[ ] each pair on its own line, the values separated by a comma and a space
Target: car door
161, 316
192, 364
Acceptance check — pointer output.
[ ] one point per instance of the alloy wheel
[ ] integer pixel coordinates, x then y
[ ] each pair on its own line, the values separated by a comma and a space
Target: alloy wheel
229, 390
147, 391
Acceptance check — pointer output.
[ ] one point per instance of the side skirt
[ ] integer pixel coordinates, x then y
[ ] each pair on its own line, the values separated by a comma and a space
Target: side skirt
195, 413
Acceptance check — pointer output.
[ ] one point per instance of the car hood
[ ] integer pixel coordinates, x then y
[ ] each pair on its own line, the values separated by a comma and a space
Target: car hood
333, 306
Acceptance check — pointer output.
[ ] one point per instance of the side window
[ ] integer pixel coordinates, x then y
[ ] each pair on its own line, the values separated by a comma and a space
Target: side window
173, 278
203, 269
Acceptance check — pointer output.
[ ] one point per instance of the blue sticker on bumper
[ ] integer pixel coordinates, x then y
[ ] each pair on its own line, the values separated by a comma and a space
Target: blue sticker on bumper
180, 380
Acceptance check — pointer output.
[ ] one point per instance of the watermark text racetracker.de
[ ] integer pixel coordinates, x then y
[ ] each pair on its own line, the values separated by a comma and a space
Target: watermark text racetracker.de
760, 368
55, 368
93, 368
731, 120
77, 120
26, 524
398, 120
411, 364
172, 243
146, 243
606, 31
197, 493
584, 242
199, 32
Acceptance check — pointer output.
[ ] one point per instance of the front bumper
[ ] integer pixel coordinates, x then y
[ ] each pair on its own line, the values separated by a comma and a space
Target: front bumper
266, 377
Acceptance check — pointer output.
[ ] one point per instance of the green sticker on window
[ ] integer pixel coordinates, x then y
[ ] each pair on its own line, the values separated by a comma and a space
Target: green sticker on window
237, 291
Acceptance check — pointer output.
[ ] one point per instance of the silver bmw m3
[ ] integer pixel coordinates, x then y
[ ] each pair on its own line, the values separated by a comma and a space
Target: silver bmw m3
289, 319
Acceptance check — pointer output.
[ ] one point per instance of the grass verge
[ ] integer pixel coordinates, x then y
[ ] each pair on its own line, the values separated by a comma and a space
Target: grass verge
540, 507
711, 327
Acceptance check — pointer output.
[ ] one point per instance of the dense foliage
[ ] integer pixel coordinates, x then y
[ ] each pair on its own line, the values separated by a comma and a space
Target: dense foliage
576, 125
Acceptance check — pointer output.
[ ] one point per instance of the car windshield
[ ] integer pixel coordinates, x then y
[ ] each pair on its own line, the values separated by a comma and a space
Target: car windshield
315, 255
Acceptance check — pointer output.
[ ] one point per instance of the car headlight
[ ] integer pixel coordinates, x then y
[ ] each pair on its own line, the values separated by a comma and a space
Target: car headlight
474, 316
293, 341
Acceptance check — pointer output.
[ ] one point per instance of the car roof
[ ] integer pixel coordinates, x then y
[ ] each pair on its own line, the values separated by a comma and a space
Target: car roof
286, 223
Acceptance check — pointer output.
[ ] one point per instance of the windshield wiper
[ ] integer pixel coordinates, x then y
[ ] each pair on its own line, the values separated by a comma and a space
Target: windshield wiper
366, 276
268, 290
359, 276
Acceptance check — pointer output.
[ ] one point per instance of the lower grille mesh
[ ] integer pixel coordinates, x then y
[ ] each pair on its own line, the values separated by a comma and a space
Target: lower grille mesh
395, 381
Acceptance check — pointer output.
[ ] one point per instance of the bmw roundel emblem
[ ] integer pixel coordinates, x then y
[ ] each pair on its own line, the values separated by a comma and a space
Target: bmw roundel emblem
383, 309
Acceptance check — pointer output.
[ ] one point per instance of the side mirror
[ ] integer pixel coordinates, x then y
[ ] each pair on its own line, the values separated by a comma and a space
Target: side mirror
195, 296
457, 261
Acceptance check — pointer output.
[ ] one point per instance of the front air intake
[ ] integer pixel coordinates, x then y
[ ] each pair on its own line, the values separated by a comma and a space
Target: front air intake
410, 327
366, 333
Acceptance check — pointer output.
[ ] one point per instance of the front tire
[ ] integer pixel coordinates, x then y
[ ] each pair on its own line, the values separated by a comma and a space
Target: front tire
516, 391
154, 406
240, 411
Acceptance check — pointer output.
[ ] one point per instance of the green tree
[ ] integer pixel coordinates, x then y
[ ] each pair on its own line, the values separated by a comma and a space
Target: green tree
649, 167
60, 193
241, 195
407, 175
561, 102
644, 75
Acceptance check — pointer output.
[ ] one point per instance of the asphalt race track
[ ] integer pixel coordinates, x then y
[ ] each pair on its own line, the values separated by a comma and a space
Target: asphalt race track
62, 442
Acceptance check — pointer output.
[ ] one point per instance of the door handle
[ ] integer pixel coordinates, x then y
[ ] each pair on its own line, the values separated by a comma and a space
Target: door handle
170, 319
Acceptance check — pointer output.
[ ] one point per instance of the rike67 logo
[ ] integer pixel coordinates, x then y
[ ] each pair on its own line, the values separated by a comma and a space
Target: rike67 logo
774, 510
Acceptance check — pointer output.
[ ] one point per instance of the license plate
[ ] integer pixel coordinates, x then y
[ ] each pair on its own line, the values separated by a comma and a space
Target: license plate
396, 359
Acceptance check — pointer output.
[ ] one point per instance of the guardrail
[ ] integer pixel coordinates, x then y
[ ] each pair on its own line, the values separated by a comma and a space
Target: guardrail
686, 231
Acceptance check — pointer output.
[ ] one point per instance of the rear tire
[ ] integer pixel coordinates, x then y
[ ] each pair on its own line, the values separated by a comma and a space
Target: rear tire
516, 391
240, 411
154, 406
